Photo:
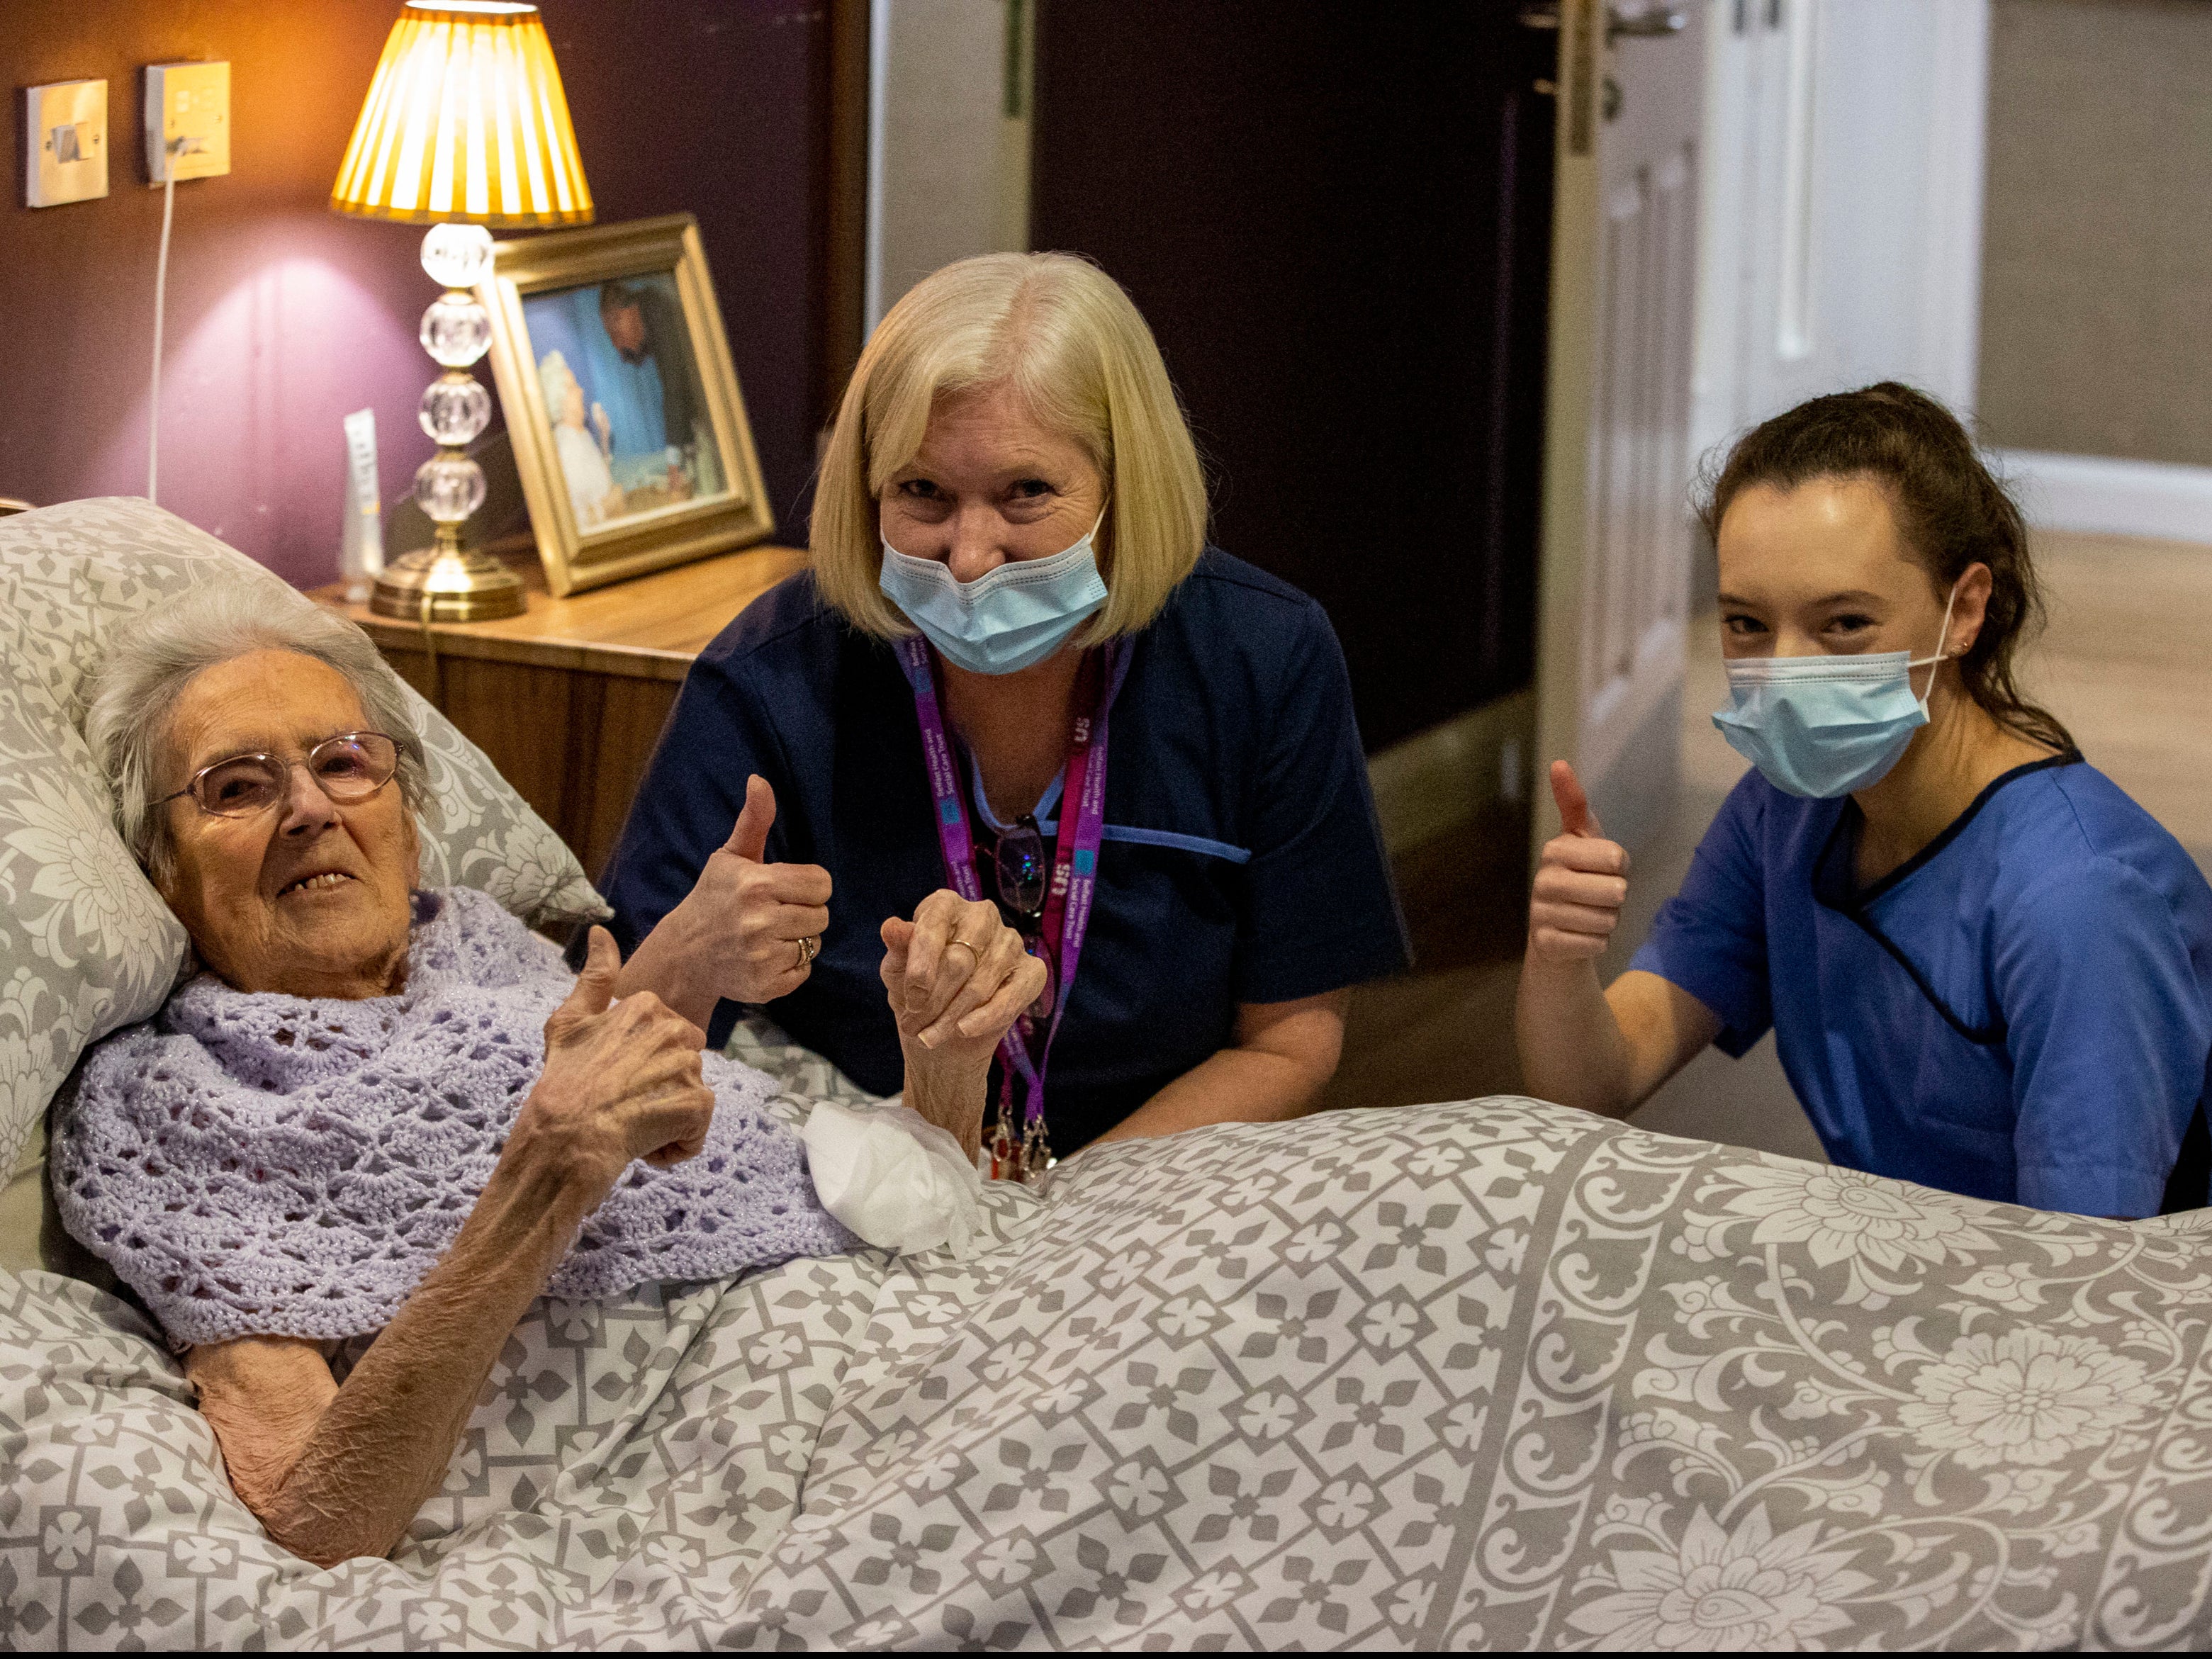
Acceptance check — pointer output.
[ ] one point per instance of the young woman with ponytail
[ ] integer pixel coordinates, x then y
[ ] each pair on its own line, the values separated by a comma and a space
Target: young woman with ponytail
1987, 969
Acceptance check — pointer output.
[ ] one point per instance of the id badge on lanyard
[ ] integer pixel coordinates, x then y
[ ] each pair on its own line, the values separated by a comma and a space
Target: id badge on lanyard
1018, 1147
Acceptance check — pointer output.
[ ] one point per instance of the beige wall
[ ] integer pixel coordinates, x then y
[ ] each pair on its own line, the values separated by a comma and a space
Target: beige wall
2097, 274
954, 164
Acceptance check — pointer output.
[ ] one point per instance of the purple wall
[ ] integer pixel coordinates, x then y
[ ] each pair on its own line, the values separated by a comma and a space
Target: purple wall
283, 317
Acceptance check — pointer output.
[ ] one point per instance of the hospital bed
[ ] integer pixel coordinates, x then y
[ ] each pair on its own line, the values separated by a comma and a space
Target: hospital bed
1493, 1374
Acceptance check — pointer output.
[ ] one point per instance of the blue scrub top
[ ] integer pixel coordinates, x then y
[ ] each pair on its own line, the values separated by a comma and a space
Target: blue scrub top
2022, 1011
1242, 860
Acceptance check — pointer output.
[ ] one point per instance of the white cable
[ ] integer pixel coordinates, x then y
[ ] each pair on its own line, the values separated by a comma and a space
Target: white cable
160, 292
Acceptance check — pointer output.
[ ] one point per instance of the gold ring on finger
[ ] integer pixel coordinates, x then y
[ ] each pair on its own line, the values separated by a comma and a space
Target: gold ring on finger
807, 947
974, 955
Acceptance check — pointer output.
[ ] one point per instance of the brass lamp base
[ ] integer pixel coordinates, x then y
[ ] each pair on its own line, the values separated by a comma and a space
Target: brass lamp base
446, 585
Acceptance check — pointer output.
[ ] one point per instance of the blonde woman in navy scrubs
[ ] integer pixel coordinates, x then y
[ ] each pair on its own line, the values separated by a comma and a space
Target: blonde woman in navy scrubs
1017, 686
1986, 968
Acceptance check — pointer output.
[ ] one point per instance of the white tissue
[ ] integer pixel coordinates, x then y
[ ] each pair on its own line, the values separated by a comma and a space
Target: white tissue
899, 1182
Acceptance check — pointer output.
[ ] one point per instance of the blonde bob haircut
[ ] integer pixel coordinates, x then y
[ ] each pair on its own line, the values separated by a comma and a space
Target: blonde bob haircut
1066, 337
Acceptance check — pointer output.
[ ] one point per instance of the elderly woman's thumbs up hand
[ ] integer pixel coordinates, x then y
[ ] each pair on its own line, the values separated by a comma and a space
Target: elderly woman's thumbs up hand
1582, 881
747, 931
762, 916
621, 1082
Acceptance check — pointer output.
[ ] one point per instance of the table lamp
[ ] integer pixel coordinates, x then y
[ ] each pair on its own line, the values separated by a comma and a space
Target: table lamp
464, 127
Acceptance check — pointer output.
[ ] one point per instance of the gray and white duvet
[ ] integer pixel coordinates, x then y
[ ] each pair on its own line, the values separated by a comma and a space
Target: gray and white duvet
1489, 1374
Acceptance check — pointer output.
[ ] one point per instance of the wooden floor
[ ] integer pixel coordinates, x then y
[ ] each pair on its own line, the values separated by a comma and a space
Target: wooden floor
2126, 663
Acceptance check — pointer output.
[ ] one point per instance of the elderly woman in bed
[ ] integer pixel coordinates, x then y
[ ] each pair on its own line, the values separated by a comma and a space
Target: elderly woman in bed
347, 1124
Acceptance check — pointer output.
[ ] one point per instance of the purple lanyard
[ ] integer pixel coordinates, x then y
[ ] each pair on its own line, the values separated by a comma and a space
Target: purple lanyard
1074, 870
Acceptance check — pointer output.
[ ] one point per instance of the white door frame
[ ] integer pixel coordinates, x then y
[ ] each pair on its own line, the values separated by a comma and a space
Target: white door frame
1845, 144
948, 124
1613, 567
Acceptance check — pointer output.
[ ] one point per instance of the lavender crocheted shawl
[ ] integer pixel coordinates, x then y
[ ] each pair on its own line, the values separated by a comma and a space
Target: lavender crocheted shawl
261, 1164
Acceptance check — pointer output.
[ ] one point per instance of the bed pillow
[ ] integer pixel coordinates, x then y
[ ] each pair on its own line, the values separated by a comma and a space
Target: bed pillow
86, 944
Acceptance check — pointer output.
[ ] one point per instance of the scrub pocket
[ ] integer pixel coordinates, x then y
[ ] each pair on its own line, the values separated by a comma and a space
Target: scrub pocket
1962, 1084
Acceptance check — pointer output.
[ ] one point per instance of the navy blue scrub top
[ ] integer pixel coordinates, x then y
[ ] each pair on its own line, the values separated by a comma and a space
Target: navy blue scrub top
1241, 861
2022, 1011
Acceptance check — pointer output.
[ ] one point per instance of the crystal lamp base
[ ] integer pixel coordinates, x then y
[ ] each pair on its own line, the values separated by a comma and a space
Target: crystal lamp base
446, 585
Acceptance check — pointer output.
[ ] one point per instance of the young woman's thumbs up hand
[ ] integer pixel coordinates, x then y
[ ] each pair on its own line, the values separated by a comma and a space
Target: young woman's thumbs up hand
1582, 881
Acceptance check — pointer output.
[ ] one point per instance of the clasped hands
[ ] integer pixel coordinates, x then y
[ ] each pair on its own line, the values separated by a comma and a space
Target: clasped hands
956, 975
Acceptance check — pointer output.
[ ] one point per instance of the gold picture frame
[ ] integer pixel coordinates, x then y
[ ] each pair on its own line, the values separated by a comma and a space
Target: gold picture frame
649, 461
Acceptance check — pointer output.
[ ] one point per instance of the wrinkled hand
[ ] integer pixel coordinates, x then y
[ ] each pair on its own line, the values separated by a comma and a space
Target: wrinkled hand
1582, 881
740, 926
957, 977
620, 1083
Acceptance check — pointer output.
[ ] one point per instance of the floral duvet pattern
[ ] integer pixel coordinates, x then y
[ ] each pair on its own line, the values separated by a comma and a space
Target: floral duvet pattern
1492, 1375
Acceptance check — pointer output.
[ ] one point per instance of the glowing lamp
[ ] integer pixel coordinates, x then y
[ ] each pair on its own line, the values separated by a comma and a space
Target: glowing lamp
465, 126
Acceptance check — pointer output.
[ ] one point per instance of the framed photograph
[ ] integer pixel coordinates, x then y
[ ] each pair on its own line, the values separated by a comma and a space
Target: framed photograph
629, 434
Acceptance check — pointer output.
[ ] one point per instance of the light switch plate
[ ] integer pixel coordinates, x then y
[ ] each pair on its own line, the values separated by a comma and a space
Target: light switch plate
187, 120
65, 136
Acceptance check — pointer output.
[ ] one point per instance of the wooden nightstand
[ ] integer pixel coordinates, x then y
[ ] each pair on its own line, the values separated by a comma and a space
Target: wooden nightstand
569, 698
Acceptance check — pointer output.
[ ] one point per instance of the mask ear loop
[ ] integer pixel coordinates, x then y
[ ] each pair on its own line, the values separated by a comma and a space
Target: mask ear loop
1940, 657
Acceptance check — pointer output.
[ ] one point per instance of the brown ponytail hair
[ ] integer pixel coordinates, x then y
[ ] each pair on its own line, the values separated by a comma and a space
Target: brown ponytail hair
1950, 509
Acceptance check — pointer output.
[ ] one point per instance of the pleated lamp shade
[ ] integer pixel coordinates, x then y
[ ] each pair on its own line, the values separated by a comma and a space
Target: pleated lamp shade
465, 120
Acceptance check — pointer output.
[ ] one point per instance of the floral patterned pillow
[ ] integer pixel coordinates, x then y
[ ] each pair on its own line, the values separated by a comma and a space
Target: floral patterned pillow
85, 945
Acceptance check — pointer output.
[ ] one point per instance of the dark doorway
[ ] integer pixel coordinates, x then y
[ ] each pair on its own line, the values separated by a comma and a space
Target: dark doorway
1338, 221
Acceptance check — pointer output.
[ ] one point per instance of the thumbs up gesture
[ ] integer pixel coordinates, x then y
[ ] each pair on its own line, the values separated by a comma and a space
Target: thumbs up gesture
748, 929
1582, 881
621, 1081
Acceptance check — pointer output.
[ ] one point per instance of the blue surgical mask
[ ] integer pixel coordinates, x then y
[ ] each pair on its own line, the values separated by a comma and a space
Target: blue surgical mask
1822, 727
1007, 619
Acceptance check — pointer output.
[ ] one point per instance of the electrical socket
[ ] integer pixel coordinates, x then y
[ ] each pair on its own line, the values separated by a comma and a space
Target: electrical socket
65, 136
187, 121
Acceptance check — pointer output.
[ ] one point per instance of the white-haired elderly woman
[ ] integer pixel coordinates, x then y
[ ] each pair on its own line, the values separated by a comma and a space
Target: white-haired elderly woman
380, 1113
1015, 671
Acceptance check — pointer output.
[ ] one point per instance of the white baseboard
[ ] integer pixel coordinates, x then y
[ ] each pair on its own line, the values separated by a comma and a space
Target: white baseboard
2101, 495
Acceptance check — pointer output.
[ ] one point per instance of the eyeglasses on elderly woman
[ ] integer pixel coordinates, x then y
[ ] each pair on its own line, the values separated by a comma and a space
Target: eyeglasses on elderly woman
347, 767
